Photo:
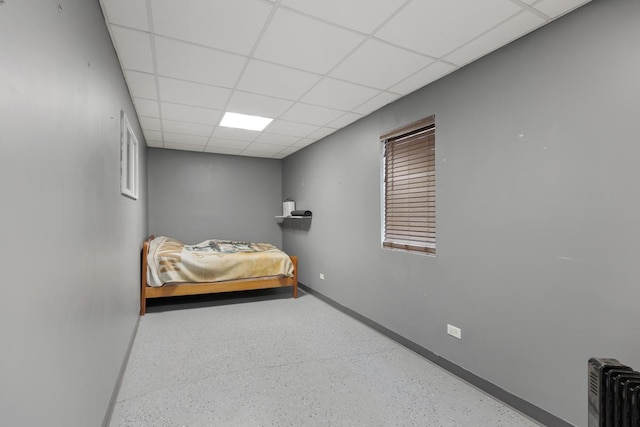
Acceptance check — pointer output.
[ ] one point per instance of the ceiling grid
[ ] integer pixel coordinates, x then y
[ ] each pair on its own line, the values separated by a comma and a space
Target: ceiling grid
313, 67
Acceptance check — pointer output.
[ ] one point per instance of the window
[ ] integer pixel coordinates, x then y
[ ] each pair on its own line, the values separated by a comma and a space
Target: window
128, 159
410, 187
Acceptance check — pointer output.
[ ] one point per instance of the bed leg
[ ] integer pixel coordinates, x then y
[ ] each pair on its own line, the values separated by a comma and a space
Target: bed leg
294, 259
143, 279
143, 306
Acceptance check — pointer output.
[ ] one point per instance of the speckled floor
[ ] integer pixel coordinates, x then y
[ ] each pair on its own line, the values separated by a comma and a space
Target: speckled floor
276, 361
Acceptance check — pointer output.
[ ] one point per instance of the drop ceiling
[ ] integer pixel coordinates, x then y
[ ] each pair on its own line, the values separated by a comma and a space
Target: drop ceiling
314, 66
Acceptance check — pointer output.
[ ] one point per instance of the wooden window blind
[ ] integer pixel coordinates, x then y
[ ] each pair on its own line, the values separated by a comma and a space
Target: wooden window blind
409, 187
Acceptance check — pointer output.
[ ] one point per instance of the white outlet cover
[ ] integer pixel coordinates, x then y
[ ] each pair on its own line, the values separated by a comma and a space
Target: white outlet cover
454, 331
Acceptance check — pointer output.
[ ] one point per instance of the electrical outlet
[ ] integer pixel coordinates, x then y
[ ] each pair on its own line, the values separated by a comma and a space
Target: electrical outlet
454, 332
321, 276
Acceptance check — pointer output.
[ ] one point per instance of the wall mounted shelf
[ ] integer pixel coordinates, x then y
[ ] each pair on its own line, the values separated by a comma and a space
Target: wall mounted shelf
281, 218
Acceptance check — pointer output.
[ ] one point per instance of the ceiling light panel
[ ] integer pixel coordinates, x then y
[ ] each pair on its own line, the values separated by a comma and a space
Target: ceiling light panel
134, 49
451, 23
257, 105
141, 85
360, 15
276, 80
196, 94
199, 64
244, 121
379, 65
237, 134
231, 25
505, 33
338, 94
301, 42
129, 13
187, 113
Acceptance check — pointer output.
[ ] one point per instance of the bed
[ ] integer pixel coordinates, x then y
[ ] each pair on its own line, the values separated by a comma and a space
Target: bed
176, 269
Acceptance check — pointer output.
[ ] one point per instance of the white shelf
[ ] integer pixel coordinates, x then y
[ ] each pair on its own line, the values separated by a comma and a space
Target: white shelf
280, 218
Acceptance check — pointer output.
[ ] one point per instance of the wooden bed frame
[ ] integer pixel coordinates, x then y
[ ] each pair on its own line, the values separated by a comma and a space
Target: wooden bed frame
147, 292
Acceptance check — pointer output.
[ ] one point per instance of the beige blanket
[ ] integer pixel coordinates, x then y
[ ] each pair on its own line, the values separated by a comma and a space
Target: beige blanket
171, 261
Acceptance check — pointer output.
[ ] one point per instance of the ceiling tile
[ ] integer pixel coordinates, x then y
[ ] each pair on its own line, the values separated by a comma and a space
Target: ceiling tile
252, 153
175, 138
130, 13
232, 25
321, 133
264, 148
279, 155
275, 80
376, 103
149, 123
304, 142
271, 138
199, 64
305, 43
146, 107
221, 150
152, 135
424, 77
228, 143
184, 147
189, 93
186, 113
311, 114
186, 128
283, 127
155, 144
360, 15
257, 105
134, 49
499, 36
365, 66
289, 150
554, 8
141, 85
338, 94
232, 133
456, 22
345, 120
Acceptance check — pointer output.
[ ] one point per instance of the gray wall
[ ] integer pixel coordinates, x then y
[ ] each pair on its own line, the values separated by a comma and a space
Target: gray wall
538, 237
70, 242
196, 196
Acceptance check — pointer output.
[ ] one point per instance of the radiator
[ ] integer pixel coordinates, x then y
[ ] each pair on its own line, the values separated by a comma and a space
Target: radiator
614, 393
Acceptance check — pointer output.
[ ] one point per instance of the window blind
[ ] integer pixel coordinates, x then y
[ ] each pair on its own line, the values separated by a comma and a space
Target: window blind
409, 187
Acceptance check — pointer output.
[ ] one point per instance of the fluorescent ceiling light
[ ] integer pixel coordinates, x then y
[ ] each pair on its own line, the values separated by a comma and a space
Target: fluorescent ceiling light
243, 121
